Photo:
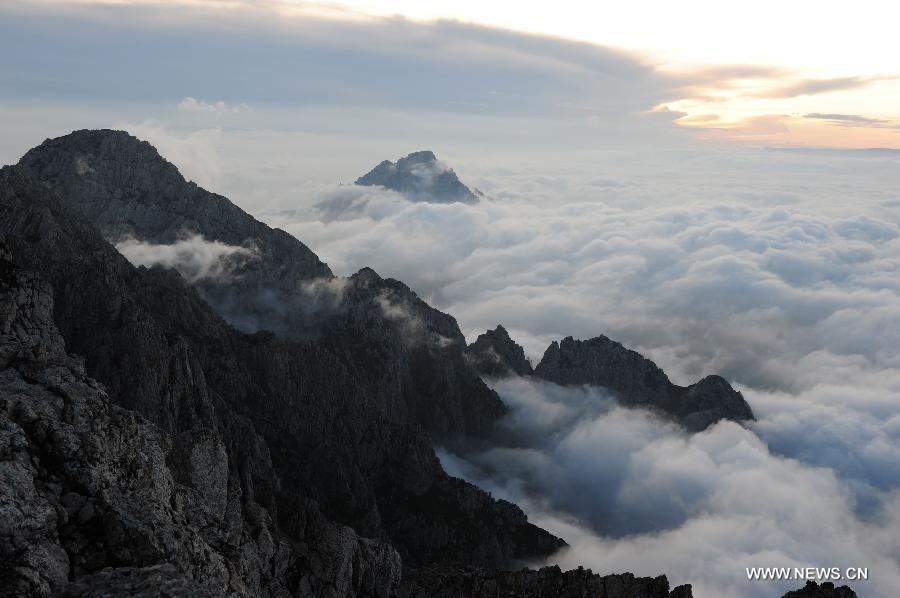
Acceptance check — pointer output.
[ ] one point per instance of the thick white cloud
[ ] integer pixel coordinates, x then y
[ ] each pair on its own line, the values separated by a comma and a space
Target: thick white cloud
194, 257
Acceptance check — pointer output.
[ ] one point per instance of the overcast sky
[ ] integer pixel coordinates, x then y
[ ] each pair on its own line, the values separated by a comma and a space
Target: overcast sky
799, 73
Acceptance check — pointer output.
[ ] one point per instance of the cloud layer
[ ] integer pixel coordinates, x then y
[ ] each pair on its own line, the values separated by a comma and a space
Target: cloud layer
776, 269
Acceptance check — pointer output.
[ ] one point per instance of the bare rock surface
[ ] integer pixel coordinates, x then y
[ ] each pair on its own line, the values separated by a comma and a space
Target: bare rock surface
89, 492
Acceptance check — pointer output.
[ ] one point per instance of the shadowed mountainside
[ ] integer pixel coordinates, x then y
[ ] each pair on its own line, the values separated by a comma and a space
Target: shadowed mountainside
301, 440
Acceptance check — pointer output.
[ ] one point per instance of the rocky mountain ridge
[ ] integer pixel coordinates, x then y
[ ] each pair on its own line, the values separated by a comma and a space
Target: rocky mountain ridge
633, 379
637, 381
303, 441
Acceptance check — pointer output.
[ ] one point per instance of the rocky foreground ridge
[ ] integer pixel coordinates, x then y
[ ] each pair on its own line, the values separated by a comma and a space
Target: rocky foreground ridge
150, 447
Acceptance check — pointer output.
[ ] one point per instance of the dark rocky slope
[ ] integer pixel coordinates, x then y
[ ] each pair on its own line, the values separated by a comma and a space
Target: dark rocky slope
304, 441
420, 177
495, 354
97, 494
637, 381
207, 460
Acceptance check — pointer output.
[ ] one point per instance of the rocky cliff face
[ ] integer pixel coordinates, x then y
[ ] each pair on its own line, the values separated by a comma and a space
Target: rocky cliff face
420, 177
410, 358
495, 354
98, 496
637, 381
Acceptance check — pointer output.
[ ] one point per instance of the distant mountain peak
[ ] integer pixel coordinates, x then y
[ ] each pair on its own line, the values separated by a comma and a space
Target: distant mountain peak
420, 176
419, 157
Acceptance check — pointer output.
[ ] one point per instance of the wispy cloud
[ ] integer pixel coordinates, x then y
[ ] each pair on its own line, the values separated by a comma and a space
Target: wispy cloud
807, 87
853, 120
190, 104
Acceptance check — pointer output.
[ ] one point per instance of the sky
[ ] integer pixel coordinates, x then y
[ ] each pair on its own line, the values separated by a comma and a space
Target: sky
791, 73
789, 59
717, 189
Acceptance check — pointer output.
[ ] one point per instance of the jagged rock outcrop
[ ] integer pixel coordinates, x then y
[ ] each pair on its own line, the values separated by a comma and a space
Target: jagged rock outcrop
420, 177
637, 381
823, 590
495, 354
547, 582
96, 493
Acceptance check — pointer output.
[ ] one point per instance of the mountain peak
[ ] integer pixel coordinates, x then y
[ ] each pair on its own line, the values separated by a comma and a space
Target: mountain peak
419, 157
495, 354
105, 145
419, 176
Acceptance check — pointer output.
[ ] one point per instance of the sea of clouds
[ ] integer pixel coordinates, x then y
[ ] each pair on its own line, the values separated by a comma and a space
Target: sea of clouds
777, 269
